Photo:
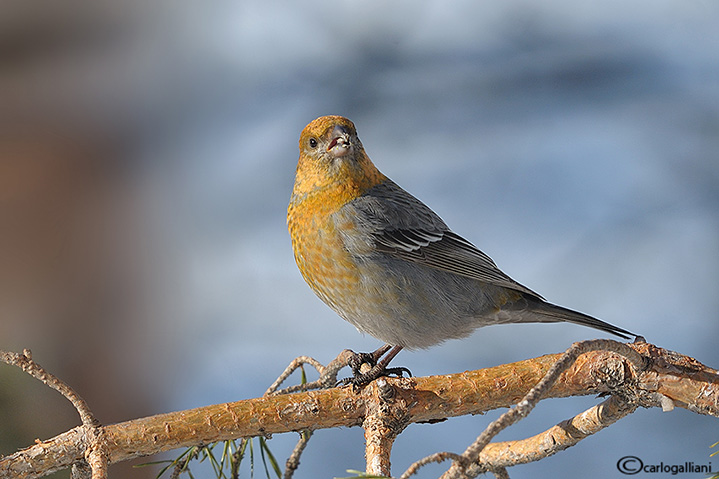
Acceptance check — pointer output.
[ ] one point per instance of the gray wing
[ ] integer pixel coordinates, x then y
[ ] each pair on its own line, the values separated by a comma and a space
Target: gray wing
446, 251
402, 226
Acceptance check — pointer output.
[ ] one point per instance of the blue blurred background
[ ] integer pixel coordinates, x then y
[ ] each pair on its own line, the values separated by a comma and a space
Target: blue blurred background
147, 154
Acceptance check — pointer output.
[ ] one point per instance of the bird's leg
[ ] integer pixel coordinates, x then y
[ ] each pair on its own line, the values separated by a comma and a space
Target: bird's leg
382, 364
377, 367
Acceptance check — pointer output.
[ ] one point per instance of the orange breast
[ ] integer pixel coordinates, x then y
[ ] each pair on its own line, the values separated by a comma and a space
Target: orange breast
319, 251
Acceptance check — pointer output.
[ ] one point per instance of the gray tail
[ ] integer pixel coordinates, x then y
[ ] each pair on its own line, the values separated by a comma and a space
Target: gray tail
552, 312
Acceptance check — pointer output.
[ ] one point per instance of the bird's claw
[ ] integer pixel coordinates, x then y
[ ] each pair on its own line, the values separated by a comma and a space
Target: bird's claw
365, 369
397, 372
359, 361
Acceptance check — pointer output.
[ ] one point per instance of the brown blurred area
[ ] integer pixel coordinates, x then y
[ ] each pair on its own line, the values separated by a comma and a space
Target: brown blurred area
75, 259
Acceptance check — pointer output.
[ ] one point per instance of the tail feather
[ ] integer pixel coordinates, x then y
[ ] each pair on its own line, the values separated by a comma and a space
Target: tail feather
552, 312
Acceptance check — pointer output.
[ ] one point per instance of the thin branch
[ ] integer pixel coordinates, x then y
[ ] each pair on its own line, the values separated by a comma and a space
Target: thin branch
500, 473
293, 461
292, 367
95, 454
462, 462
80, 470
557, 438
537, 392
24, 361
182, 464
327, 379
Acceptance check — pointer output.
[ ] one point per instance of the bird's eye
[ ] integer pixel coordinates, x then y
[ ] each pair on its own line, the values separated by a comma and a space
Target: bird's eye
313, 143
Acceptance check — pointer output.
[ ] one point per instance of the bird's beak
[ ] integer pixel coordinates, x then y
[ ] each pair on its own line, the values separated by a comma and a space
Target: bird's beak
340, 143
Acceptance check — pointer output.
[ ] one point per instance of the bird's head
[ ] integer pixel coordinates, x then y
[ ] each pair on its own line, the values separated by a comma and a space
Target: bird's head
331, 153
330, 137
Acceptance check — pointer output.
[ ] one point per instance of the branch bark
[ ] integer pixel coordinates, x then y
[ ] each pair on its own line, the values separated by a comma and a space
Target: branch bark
93, 441
669, 377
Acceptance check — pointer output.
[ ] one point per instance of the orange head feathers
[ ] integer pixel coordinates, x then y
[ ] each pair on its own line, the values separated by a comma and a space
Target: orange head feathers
333, 161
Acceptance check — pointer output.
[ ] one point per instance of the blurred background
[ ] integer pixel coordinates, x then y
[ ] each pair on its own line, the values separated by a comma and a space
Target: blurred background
147, 154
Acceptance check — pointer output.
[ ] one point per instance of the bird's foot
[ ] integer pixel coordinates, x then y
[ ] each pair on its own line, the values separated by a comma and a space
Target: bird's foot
361, 363
366, 367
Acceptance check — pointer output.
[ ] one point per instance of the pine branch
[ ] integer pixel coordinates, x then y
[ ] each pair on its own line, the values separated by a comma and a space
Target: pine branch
669, 379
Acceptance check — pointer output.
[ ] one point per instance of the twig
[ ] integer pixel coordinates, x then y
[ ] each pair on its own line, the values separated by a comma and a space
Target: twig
438, 457
500, 473
80, 470
95, 450
292, 367
328, 374
557, 438
293, 461
24, 361
328, 378
537, 392
181, 466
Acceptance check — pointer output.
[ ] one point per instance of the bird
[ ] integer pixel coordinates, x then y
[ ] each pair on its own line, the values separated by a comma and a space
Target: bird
388, 264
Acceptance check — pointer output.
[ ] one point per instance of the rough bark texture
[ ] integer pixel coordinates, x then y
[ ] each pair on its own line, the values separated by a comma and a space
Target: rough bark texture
388, 405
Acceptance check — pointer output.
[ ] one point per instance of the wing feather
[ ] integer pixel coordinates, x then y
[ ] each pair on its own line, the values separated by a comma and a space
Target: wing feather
446, 251
400, 225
